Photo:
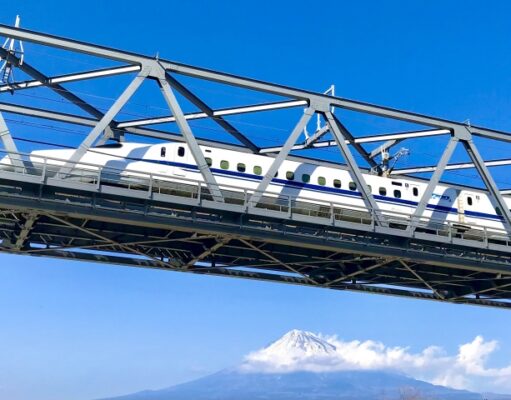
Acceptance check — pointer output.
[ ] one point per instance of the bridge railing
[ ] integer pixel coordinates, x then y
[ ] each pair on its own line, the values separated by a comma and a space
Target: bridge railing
49, 169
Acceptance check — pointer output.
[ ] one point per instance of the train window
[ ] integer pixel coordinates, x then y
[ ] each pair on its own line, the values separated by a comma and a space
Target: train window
352, 186
497, 210
397, 183
241, 167
382, 191
415, 191
258, 170
321, 180
163, 151
469, 200
209, 161
290, 175
224, 164
337, 183
397, 194
276, 174
181, 151
306, 178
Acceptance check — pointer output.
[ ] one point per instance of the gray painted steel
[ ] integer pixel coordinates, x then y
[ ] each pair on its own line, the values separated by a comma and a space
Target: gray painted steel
206, 229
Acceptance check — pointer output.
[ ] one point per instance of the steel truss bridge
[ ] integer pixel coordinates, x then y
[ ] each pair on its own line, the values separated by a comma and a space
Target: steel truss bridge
86, 213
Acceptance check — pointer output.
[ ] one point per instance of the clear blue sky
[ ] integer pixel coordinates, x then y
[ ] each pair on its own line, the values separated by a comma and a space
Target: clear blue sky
83, 331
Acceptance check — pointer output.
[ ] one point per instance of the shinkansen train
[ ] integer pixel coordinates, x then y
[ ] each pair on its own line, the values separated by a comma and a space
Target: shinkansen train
299, 179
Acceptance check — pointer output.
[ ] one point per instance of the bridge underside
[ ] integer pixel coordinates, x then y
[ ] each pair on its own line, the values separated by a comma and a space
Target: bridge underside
52, 221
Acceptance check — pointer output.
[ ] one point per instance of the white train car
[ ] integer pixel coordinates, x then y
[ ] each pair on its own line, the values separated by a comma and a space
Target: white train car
323, 182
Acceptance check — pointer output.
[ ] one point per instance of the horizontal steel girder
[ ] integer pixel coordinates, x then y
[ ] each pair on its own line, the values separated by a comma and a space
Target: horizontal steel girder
229, 79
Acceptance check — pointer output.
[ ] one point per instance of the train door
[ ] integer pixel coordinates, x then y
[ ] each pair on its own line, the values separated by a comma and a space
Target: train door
466, 201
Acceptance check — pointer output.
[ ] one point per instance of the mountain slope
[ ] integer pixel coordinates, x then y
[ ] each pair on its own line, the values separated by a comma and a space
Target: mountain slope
345, 385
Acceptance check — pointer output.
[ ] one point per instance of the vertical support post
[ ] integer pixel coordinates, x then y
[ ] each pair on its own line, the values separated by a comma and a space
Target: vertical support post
355, 173
488, 180
9, 145
291, 140
433, 182
187, 133
105, 120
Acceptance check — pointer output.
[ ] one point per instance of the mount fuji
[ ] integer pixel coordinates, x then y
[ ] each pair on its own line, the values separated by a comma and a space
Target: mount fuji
302, 365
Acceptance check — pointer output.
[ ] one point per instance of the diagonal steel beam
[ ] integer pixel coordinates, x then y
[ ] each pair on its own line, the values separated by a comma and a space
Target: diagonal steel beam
62, 91
359, 272
207, 252
355, 172
271, 257
387, 145
105, 121
316, 136
9, 145
190, 139
277, 162
21, 239
356, 145
113, 242
219, 120
481, 291
433, 182
420, 278
485, 174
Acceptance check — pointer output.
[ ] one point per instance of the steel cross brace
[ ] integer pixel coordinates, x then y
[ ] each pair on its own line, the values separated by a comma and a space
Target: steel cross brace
207, 252
276, 260
210, 112
481, 291
360, 272
354, 170
488, 180
62, 91
465, 136
105, 120
21, 239
187, 133
277, 162
433, 182
420, 278
9, 145
111, 241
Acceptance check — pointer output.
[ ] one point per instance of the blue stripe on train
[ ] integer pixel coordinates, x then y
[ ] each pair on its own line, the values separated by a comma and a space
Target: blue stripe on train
324, 189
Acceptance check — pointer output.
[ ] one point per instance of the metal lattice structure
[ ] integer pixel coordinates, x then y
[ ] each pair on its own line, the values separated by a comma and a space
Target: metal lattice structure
207, 229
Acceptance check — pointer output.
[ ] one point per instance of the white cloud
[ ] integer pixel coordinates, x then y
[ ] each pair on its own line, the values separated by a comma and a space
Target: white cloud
467, 369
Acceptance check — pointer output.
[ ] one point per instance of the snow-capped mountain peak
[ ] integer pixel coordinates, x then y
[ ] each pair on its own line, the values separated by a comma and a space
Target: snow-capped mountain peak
304, 342
296, 350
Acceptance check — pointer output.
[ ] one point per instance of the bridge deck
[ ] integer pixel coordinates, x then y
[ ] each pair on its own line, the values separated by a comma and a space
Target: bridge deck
146, 221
